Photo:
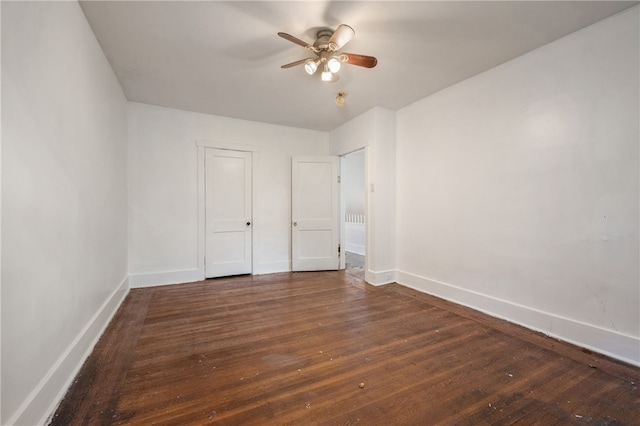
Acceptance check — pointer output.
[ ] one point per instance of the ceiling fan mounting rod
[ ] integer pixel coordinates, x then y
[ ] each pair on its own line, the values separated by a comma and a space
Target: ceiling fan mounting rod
325, 32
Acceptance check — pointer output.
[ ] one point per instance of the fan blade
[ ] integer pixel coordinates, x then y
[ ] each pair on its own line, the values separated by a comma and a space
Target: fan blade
296, 63
294, 40
340, 37
359, 60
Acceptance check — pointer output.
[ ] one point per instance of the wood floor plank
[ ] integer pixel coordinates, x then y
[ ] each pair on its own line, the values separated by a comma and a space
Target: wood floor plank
94, 395
293, 348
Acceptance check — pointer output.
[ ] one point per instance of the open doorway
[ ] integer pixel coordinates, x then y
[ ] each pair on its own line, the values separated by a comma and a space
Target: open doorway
354, 212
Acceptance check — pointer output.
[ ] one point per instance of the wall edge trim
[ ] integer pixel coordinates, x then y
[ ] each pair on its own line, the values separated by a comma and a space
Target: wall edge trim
226, 144
42, 401
378, 278
153, 279
272, 267
589, 336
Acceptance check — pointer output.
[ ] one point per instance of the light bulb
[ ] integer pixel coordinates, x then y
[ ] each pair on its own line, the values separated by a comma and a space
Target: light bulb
310, 67
333, 64
326, 74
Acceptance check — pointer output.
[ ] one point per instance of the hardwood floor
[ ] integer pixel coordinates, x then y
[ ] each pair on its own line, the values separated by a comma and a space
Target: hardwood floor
294, 348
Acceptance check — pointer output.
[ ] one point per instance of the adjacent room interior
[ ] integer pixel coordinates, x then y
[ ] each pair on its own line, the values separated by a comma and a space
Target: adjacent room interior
473, 165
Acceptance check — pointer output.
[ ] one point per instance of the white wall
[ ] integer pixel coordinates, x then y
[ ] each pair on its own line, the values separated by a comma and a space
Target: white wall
163, 189
518, 190
375, 131
353, 182
517, 193
64, 258
354, 199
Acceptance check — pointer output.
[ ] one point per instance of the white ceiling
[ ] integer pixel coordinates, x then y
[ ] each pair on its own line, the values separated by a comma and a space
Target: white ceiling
224, 58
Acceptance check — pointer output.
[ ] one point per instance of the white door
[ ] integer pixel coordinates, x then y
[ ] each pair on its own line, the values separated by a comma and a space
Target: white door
227, 212
314, 213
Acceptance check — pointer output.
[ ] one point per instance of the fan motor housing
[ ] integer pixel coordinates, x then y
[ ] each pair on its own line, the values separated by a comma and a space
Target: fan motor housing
322, 38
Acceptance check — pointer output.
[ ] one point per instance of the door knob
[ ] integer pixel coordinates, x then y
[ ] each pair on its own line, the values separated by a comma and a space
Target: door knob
295, 223
248, 223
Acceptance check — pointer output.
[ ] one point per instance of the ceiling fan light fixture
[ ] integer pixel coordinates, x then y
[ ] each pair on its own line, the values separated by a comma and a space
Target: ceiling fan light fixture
325, 49
333, 64
326, 74
310, 66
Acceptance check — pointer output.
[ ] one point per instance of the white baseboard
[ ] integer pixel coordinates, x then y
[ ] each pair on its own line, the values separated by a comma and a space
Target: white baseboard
193, 275
166, 277
380, 277
355, 248
607, 342
272, 267
43, 400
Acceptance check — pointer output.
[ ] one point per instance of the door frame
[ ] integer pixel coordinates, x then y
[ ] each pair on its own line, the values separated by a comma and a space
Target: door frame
343, 207
201, 146
368, 210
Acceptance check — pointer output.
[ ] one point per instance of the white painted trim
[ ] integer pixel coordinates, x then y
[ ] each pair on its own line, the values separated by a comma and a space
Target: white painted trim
342, 231
380, 277
369, 212
607, 342
355, 248
222, 144
41, 403
272, 267
1, 207
154, 279
255, 224
201, 194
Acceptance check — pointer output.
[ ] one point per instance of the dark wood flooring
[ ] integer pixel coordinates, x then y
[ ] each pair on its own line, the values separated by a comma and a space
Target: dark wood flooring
325, 348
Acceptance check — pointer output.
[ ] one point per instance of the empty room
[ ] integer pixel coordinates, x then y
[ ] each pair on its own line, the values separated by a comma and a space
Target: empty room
320, 212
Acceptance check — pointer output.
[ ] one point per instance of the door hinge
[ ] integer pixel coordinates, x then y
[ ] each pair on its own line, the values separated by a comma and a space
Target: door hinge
338, 179
338, 249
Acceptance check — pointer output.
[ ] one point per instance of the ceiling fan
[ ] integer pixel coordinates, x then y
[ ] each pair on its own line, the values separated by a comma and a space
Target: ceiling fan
327, 57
